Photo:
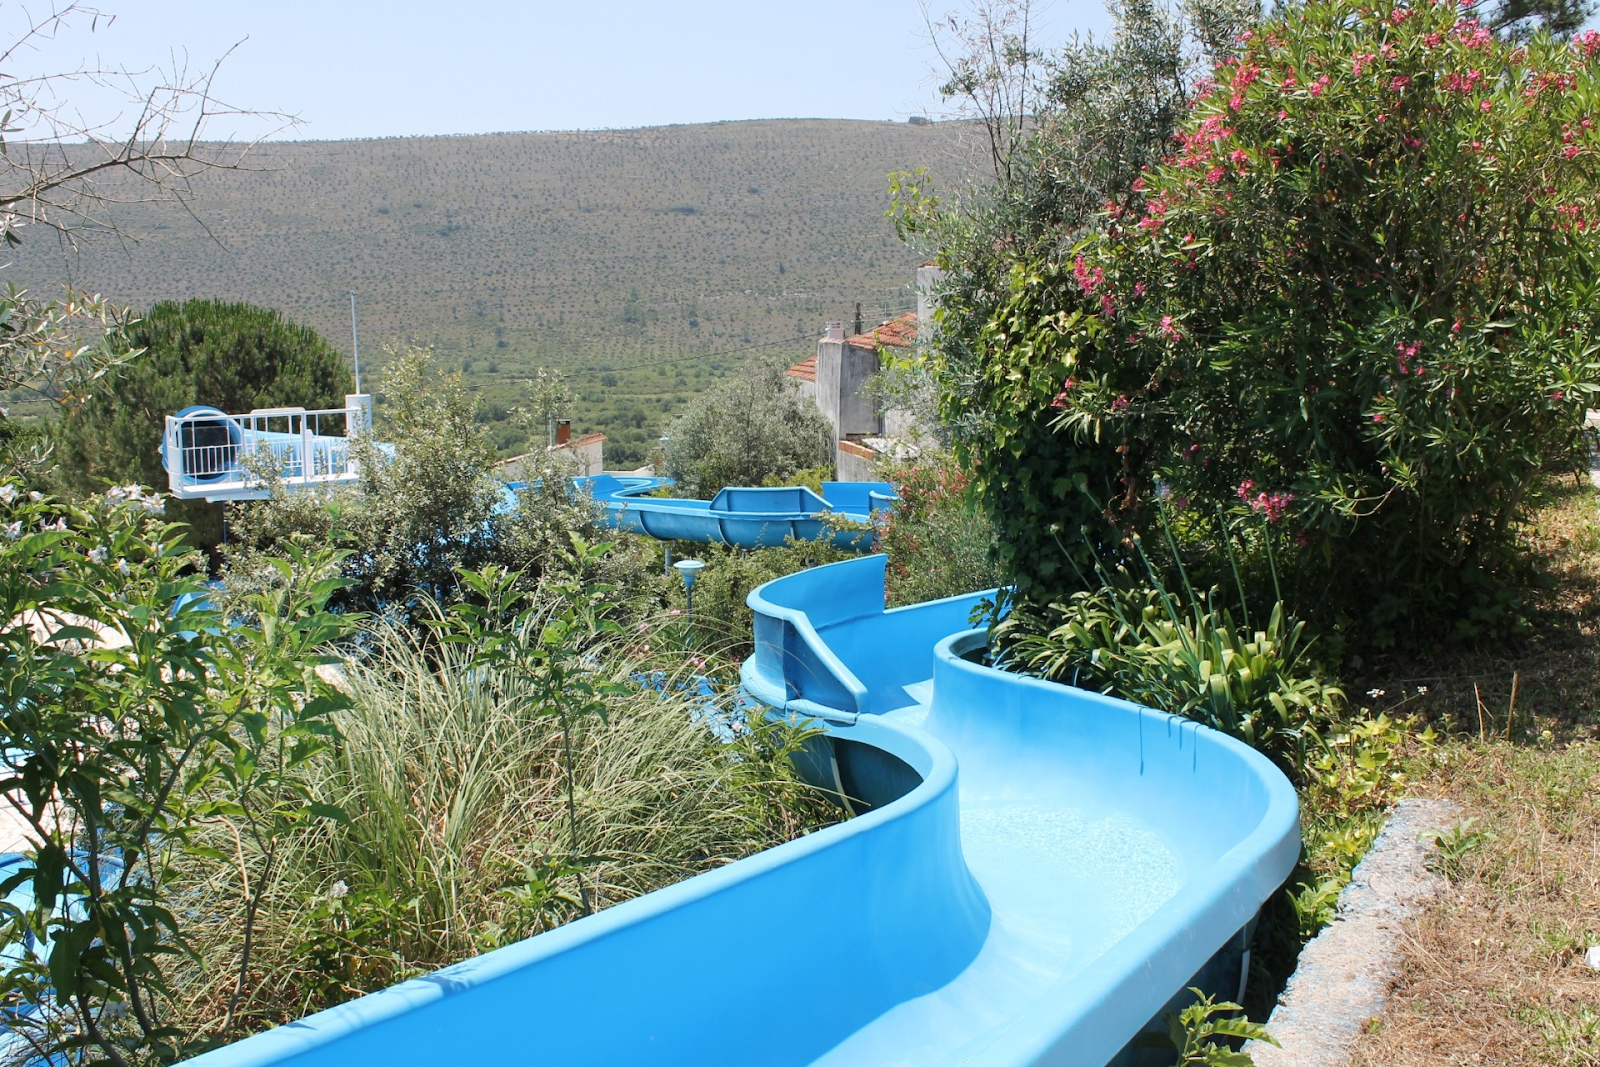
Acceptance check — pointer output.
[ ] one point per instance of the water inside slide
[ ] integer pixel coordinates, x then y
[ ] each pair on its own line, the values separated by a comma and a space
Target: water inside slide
1033, 874
754, 517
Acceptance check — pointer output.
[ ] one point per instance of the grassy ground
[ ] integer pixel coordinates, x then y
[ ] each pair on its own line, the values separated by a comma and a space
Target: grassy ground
1494, 972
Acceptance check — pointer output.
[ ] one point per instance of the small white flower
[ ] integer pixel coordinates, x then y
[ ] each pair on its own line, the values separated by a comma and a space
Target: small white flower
36, 496
122, 566
14, 530
1422, 690
338, 889
60, 524
1376, 693
8, 493
98, 554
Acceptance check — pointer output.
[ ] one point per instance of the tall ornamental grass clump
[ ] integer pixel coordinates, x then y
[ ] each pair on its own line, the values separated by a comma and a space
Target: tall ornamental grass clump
504, 770
1358, 300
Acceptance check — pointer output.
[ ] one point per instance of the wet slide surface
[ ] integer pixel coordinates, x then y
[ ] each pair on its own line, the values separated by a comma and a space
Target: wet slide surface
1035, 872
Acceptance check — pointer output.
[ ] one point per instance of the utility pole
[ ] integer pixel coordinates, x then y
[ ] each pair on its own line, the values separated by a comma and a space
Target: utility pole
355, 338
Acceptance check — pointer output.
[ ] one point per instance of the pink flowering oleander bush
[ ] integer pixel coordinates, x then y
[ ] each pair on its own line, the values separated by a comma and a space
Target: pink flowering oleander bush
1352, 313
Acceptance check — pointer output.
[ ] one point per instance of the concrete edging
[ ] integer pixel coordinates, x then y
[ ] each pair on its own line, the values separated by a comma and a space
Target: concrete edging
1346, 972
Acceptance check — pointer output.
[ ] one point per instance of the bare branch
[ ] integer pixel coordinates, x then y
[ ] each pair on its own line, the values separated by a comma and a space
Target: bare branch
66, 173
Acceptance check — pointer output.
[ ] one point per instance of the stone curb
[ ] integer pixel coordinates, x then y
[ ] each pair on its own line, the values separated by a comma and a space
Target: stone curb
1347, 971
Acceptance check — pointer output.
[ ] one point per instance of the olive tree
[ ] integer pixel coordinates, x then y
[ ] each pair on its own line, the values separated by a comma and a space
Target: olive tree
752, 428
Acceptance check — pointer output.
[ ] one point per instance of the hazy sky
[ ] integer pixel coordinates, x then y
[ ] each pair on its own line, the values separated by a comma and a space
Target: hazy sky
364, 68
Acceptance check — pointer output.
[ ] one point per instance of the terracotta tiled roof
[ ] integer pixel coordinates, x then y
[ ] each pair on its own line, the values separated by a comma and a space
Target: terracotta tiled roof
576, 442
805, 370
860, 451
896, 333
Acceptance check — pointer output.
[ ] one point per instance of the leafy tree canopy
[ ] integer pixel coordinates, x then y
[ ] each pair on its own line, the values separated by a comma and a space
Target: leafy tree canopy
748, 430
1350, 307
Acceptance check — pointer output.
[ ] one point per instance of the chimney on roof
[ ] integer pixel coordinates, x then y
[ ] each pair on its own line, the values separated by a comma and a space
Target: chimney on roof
835, 331
563, 431
858, 316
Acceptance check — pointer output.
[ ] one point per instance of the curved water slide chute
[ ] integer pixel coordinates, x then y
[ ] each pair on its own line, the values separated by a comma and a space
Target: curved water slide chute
1033, 874
754, 517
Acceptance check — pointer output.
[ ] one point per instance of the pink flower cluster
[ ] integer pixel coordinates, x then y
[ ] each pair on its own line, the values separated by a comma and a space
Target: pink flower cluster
1472, 35
1568, 134
1061, 398
1463, 84
1588, 43
1561, 83
1404, 354
1197, 147
1273, 505
1571, 218
1156, 208
1168, 331
1360, 62
1088, 280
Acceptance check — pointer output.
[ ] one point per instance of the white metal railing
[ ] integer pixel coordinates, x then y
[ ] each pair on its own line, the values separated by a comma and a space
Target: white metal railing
212, 455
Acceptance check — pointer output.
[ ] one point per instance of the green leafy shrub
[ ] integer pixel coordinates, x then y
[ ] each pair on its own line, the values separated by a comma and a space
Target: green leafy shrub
1358, 299
939, 541
1185, 656
133, 717
1193, 1034
1098, 114
749, 429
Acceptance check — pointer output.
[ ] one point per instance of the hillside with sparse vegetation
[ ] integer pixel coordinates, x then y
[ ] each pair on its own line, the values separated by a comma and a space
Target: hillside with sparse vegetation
642, 264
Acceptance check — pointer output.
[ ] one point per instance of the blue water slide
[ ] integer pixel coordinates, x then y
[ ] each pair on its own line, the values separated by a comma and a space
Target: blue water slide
1035, 873
754, 517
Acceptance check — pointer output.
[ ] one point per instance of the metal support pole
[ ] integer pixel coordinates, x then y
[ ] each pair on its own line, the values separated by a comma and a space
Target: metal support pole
355, 339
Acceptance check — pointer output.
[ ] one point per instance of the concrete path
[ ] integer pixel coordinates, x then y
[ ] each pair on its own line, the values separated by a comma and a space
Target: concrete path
1347, 972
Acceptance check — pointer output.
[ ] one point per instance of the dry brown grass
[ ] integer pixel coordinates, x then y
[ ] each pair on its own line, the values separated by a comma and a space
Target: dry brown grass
1494, 972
